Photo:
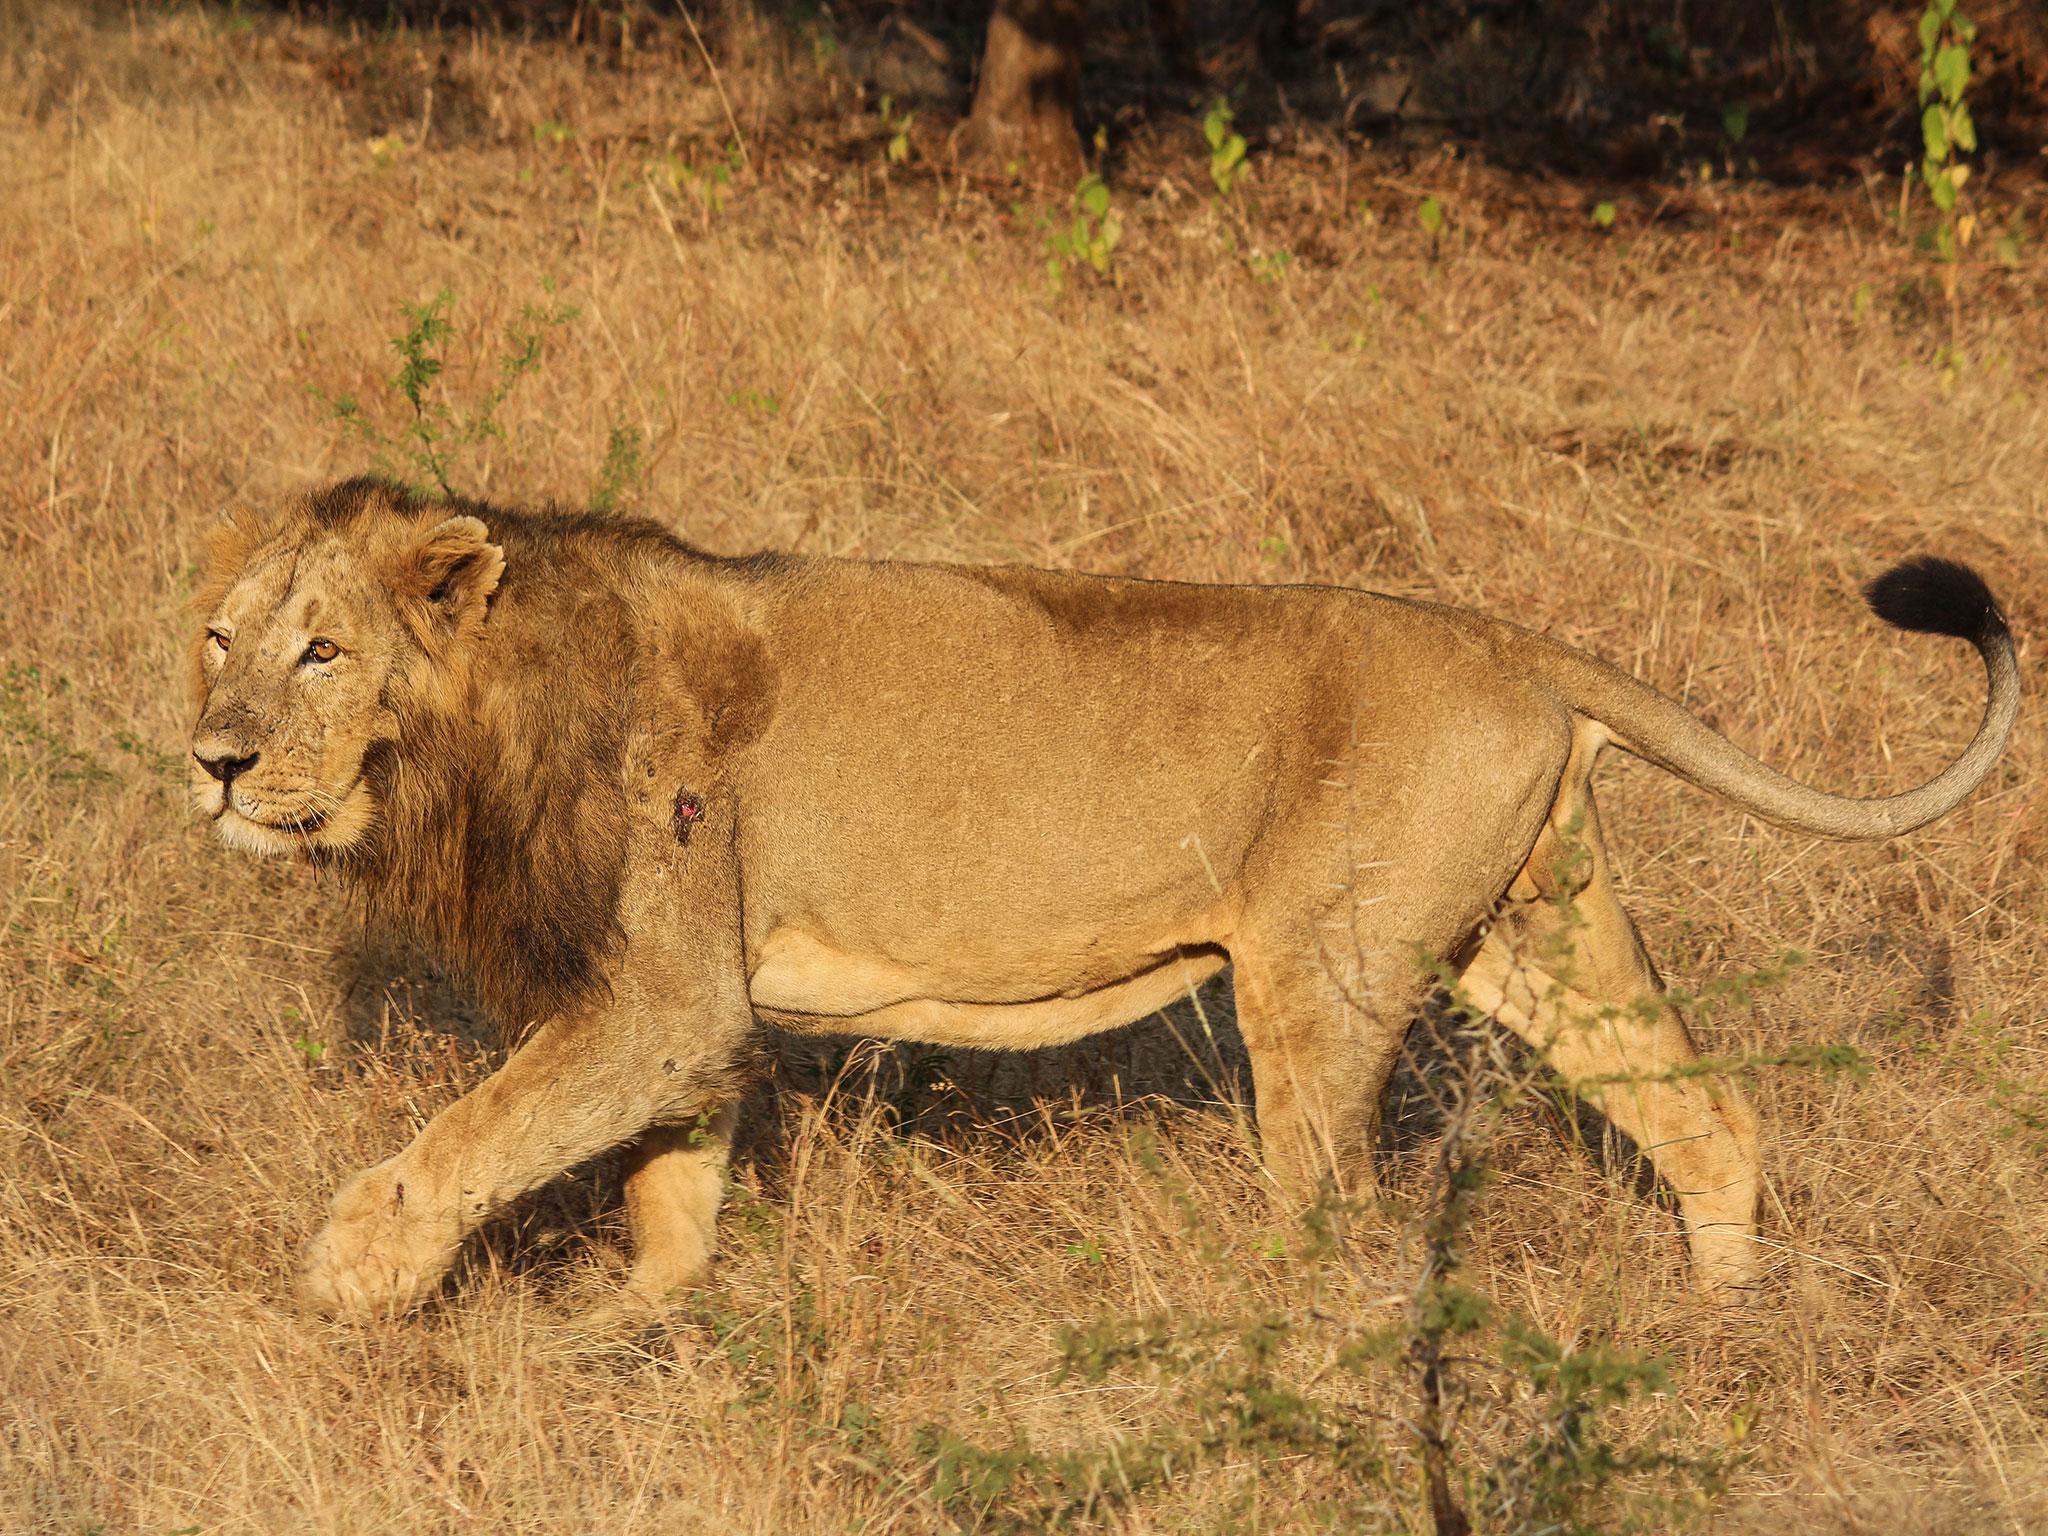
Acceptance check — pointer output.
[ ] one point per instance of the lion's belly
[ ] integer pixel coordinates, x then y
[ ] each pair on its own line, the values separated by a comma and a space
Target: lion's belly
804, 984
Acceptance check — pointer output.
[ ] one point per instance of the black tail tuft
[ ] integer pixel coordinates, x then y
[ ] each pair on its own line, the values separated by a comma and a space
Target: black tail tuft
1936, 597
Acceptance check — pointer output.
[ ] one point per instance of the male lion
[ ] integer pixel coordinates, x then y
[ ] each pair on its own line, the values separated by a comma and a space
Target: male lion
646, 795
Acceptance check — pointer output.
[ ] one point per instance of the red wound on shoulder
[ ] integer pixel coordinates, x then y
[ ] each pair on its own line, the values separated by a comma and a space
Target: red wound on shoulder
689, 810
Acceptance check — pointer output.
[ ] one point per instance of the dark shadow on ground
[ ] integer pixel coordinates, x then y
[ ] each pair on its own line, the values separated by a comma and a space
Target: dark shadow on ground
1792, 91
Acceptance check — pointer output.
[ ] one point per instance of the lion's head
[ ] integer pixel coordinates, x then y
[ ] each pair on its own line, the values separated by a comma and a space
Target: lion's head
318, 623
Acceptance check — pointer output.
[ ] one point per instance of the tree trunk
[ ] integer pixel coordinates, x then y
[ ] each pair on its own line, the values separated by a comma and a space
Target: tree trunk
1023, 113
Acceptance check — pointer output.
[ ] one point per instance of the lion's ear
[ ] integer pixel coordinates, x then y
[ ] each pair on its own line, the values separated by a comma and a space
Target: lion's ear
236, 533
236, 530
445, 578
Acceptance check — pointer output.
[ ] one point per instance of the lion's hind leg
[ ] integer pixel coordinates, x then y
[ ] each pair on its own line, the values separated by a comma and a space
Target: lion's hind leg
1322, 1041
1563, 968
1325, 993
1395, 862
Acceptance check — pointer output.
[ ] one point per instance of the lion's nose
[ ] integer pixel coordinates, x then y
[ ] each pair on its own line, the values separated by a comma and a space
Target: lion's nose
226, 768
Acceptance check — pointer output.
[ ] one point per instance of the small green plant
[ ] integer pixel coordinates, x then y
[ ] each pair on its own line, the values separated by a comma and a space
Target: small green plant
1228, 165
552, 131
1990, 1052
621, 468
1734, 131
1270, 266
1603, 215
167, 766
1559, 1463
824, 48
424, 449
1430, 216
755, 402
1090, 240
896, 126
2011, 240
1946, 130
708, 185
1508, 1429
25, 697
313, 1050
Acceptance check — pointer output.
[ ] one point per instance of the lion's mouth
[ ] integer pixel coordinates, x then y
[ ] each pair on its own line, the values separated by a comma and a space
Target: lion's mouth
303, 824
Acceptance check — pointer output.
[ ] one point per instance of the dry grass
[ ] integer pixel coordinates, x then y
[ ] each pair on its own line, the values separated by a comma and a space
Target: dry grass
1682, 446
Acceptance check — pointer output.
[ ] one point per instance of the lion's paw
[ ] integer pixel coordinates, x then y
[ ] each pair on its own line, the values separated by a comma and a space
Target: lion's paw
1727, 1264
384, 1248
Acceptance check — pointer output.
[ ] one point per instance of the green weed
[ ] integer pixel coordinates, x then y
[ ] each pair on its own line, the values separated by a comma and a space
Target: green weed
24, 697
1735, 160
1270, 266
755, 402
1228, 163
896, 128
621, 469
423, 450
708, 185
1946, 131
1089, 241
1430, 215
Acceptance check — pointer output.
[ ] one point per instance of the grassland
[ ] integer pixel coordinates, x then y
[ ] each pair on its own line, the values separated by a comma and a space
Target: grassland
1681, 442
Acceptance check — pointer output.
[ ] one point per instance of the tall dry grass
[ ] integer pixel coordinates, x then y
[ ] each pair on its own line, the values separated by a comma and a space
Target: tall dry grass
1681, 446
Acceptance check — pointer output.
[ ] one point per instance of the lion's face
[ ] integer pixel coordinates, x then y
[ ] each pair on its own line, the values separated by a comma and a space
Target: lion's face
314, 633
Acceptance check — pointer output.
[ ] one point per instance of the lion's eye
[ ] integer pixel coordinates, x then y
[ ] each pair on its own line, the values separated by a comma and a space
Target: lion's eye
220, 641
322, 651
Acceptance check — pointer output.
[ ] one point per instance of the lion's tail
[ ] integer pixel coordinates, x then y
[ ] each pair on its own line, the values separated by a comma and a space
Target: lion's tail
1925, 594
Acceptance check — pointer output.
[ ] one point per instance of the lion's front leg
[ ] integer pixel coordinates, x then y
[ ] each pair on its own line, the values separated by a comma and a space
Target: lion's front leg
394, 1229
580, 1086
664, 1043
669, 1045
675, 1183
